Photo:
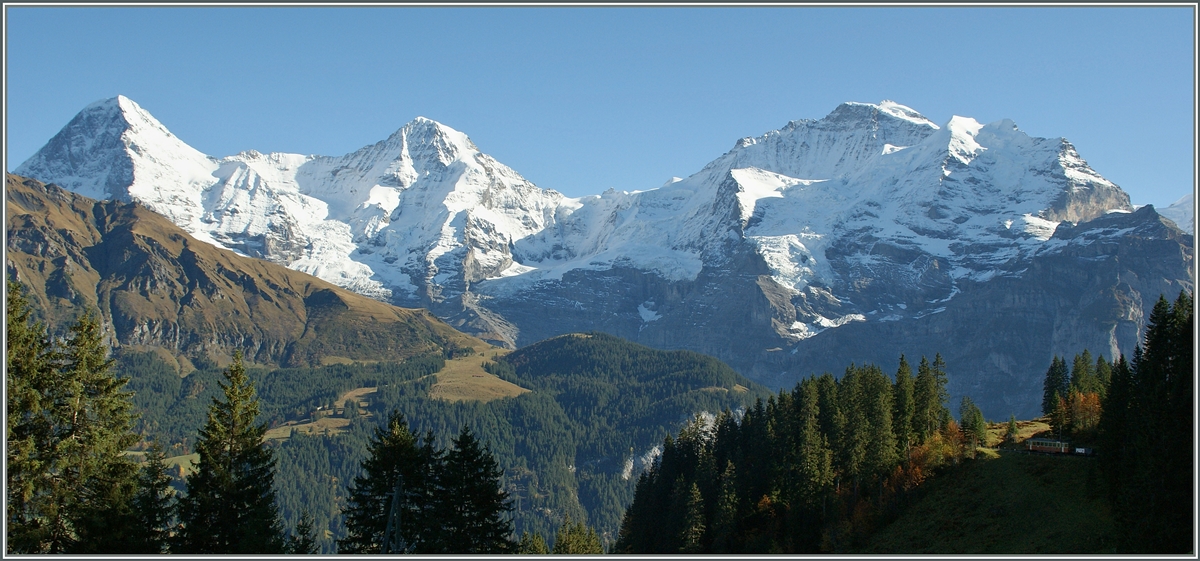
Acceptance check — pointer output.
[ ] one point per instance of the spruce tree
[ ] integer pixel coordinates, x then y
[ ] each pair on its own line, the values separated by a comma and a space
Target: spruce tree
925, 400
153, 505
30, 380
973, 425
303, 540
230, 506
725, 516
1083, 374
902, 418
574, 538
395, 462
95, 431
532, 544
692, 534
1154, 471
1055, 384
68, 425
1103, 375
470, 506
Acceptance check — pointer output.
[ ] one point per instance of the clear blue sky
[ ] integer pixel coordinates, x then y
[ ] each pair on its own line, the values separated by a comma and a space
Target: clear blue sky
580, 100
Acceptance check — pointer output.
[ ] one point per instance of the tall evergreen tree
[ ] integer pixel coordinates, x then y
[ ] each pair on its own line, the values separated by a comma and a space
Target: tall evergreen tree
725, 515
395, 461
973, 425
30, 381
1146, 435
1083, 374
230, 503
96, 430
574, 538
902, 418
470, 505
153, 505
303, 541
1055, 384
692, 532
1103, 375
68, 424
532, 544
929, 398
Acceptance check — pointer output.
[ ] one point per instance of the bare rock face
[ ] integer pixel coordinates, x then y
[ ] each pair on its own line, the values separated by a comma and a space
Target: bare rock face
154, 285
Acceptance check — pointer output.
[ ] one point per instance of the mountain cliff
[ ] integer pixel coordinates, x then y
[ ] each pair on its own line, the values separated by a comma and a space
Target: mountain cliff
155, 285
867, 233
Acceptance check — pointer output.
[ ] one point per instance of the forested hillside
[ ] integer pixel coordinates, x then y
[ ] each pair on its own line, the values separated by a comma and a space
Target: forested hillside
821, 468
830, 465
571, 447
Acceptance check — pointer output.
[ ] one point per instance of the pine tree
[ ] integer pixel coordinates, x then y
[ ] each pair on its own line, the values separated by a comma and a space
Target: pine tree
1152, 470
95, 431
1083, 374
902, 418
692, 534
532, 544
1055, 385
30, 380
395, 461
574, 538
153, 505
230, 503
303, 541
1011, 434
1103, 375
973, 425
925, 400
816, 457
725, 517
471, 507
68, 425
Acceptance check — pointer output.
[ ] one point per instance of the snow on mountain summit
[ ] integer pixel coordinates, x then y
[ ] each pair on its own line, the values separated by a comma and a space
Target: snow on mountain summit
424, 216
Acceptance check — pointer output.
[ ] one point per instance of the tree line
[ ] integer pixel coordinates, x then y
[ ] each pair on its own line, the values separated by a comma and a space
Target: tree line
1139, 417
1146, 435
72, 488
815, 469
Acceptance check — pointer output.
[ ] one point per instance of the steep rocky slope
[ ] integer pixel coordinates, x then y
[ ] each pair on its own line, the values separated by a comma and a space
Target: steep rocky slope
156, 285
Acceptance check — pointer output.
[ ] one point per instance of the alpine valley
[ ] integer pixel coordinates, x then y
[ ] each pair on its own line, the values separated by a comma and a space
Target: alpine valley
856, 237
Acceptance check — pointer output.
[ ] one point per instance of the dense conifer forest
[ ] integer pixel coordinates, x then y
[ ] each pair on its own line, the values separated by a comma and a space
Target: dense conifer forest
593, 458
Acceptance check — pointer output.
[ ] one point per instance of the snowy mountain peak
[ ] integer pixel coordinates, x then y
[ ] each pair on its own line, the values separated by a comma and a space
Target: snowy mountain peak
115, 149
963, 131
904, 112
856, 111
423, 217
1182, 213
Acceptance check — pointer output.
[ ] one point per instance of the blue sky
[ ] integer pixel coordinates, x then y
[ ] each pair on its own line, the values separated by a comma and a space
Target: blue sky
583, 99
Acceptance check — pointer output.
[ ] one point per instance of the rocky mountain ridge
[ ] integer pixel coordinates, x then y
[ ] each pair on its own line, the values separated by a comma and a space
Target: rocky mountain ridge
156, 286
872, 219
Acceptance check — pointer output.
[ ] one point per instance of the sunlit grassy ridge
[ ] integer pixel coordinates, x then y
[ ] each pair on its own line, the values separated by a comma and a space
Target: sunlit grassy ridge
1014, 503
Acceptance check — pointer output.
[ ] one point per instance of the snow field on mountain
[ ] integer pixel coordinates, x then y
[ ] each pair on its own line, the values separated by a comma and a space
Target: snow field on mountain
425, 208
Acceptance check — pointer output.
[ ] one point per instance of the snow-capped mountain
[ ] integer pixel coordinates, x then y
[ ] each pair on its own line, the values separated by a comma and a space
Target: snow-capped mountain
871, 216
1182, 213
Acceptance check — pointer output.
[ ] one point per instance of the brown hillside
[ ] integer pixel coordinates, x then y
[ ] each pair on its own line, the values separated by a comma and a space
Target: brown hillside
156, 285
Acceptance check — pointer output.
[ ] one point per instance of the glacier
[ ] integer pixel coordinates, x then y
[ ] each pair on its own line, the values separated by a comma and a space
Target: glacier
782, 251
424, 216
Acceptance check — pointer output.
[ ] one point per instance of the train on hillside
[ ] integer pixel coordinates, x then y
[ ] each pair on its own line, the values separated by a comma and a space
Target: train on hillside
1051, 446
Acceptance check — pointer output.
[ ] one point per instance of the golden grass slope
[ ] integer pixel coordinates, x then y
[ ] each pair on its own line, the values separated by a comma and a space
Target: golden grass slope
155, 285
464, 379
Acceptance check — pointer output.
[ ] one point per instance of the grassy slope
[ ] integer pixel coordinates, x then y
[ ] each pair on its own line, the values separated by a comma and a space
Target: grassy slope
464, 379
1012, 503
158, 286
